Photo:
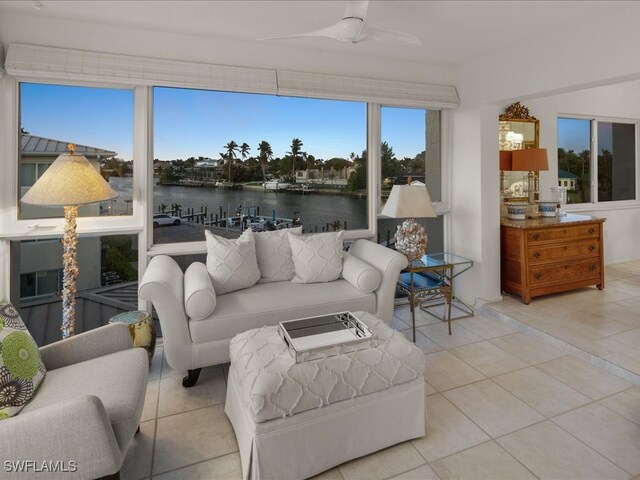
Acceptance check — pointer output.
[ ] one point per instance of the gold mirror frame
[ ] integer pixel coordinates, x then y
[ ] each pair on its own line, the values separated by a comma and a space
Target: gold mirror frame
517, 119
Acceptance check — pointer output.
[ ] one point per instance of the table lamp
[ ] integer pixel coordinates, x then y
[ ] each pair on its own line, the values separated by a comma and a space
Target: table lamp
409, 201
70, 181
531, 160
506, 162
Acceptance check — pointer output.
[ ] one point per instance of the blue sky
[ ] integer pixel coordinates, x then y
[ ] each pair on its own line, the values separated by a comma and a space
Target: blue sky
199, 123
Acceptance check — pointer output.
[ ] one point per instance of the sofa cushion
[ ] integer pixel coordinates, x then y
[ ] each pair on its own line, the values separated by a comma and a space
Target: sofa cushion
232, 264
199, 295
21, 368
98, 377
317, 257
273, 252
270, 303
360, 274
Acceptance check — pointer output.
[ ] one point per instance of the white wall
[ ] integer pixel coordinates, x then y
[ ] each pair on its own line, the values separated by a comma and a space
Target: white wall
598, 52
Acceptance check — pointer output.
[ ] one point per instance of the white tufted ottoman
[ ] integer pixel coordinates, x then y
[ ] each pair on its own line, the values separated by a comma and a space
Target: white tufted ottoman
293, 421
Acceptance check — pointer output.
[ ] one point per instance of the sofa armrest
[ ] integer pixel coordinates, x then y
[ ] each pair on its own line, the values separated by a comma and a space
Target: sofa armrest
85, 346
360, 274
77, 433
163, 285
389, 263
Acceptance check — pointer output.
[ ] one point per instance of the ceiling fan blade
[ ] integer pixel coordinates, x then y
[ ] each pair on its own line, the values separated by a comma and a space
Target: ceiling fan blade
384, 34
329, 32
356, 9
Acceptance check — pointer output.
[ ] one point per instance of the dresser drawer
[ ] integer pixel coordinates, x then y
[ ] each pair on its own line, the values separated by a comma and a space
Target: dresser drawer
582, 248
564, 272
563, 233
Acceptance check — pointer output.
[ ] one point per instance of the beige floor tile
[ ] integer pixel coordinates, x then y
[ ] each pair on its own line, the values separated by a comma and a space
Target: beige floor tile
155, 369
398, 324
422, 342
488, 461
487, 358
608, 433
439, 333
167, 371
528, 349
448, 431
430, 389
541, 391
221, 468
422, 318
150, 409
625, 403
619, 311
445, 371
421, 473
552, 453
192, 437
593, 323
630, 338
583, 377
486, 327
492, 408
383, 464
211, 389
137, 463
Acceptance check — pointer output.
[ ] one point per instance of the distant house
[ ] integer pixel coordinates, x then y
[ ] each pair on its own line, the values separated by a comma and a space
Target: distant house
567, 179
208, 163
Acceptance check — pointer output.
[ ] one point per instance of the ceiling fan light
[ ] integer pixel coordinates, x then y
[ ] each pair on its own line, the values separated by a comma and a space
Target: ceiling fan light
348, 29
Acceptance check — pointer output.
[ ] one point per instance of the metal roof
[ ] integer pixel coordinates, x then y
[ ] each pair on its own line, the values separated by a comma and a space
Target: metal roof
565, 174
33, 145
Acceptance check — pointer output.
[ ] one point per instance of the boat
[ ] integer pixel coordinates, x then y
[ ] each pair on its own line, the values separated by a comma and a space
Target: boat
276, 185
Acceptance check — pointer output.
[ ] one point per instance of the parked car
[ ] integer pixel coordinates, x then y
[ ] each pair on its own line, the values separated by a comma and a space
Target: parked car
165, 219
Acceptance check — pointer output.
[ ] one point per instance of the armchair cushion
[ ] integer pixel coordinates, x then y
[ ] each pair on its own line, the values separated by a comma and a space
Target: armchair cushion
21, 368
232, 264
199, 295
317, 258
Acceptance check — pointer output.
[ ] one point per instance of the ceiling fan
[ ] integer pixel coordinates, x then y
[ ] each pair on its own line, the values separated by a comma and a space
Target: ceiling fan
353, 28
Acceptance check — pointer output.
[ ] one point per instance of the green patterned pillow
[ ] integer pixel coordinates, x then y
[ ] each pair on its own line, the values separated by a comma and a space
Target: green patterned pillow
21, 368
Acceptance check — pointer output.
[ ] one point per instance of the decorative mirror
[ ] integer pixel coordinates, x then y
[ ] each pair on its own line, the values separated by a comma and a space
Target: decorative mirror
518, 130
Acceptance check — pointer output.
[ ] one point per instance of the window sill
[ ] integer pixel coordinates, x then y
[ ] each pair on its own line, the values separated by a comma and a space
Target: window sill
602, 207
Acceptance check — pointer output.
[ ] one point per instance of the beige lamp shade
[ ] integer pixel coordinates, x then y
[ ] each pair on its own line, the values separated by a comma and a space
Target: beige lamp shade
70, 180
409, 201
530, 160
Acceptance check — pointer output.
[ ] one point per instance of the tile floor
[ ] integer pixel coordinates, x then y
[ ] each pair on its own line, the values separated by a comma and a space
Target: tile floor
506, 398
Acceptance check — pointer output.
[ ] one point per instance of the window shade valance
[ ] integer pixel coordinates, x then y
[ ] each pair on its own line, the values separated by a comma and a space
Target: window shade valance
51, 63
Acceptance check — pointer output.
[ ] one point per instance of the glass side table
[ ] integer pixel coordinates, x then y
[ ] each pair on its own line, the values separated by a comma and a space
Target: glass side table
459, 265
424, 280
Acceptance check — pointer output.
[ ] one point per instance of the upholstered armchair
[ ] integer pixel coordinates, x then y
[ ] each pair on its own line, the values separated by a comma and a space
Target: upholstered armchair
85, 412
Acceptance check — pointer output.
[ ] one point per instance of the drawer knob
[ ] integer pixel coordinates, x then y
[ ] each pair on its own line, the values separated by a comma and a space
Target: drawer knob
592, 268
592, 231
592, 248
537, 275
536, 254
536, 236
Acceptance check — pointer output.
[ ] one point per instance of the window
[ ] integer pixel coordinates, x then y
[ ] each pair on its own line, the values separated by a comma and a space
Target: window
41, 283
597, 160
225, 161
410, 150
99, 121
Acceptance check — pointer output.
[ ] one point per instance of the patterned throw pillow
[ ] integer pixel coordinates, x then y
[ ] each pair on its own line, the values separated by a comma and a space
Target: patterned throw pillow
317, 258
21, 368
232, 264
273, 251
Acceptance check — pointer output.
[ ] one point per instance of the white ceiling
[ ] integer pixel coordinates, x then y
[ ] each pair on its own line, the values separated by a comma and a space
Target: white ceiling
452, 32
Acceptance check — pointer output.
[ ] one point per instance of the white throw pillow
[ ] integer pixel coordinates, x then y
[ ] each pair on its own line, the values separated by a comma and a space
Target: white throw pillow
317, 258
232, 264
199, 295
273, 252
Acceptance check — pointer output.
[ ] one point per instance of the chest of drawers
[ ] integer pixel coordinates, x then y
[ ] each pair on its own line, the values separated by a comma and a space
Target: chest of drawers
549, 255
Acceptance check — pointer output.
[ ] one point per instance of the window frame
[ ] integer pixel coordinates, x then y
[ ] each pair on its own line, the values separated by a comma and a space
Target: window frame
595, 204
140, 223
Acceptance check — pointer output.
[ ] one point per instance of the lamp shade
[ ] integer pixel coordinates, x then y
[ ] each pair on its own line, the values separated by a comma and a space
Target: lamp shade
70, 180
506, 160
530, 160
409, 201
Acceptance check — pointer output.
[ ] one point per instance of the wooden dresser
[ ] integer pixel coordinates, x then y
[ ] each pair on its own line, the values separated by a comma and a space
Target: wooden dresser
549, 255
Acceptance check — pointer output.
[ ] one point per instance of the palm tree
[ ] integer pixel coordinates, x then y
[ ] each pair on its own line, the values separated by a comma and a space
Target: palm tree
244, 150
232, 148
266, 154
296, 148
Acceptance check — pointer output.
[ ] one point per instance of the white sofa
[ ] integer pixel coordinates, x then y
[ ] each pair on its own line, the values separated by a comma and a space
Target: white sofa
191, 342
